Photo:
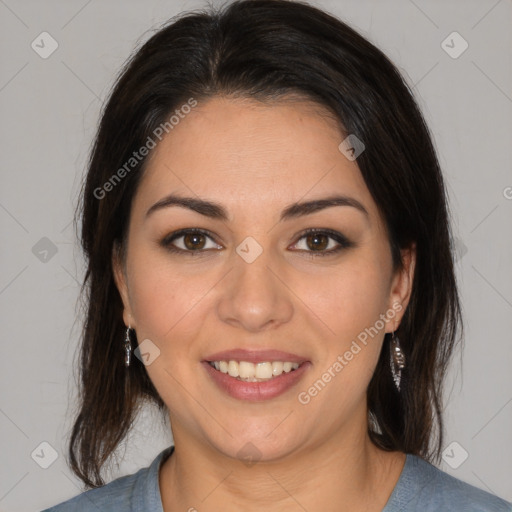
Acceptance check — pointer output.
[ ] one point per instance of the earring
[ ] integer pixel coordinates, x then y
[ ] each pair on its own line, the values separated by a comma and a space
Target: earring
397, 360
127, 347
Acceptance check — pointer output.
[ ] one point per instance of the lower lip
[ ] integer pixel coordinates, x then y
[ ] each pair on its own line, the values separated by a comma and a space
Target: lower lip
256, 391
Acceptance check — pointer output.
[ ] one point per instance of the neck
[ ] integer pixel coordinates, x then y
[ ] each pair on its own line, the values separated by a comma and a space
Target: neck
347, 473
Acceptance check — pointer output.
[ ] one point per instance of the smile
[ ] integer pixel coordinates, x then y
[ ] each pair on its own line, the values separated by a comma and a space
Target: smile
254, 372
255, 382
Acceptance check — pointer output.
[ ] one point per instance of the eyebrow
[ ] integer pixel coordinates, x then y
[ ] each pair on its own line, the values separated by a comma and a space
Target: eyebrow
218, 212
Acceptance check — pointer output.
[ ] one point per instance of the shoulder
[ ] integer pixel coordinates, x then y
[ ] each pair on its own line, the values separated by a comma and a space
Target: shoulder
138, 491
424, 487
116, 495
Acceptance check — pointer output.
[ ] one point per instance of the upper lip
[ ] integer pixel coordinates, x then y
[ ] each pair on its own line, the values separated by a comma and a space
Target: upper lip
255, 356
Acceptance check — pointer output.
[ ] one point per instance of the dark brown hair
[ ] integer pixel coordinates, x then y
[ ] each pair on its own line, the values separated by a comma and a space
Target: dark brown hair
267, 50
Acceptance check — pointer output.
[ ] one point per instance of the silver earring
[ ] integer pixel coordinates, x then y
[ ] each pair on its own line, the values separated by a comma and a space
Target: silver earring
397, 360
127, 347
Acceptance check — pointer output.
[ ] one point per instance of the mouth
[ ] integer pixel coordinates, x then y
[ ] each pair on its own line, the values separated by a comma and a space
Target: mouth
254, 372
255, 376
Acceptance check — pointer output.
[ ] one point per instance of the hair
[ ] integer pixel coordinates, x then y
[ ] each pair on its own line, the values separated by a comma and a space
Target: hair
269, 50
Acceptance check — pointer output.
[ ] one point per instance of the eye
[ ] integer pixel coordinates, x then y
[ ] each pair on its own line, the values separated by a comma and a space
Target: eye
189, 241
316, 242
322, 242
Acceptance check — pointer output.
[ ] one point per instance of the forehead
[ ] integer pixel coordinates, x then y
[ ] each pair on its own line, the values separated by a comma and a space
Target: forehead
248, 154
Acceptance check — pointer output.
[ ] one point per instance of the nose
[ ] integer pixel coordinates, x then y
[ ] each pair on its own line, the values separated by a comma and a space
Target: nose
255, 296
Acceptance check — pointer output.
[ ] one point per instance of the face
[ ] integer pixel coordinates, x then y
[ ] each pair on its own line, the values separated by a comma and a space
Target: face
256, 280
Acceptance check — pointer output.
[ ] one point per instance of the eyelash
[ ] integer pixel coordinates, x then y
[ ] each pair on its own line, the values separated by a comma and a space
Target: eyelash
343, 242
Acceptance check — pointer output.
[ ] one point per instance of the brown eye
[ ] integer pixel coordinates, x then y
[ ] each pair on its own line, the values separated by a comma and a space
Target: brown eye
317, 241
194, 241
322, 242
190, 241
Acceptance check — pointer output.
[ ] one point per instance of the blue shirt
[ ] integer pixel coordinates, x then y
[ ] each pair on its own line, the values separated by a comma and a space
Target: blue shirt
421, 487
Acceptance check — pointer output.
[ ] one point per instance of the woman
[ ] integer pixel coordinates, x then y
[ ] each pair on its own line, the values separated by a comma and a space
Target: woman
269, 261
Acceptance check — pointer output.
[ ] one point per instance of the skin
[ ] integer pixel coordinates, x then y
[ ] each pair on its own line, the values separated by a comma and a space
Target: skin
255, 159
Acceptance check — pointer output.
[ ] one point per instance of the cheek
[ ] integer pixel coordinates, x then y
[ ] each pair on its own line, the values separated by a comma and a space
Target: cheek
349, 301
348, 298
162, 297
168, 307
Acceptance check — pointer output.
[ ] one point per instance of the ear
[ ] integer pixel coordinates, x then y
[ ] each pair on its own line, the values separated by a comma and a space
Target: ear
120, 278
401, 288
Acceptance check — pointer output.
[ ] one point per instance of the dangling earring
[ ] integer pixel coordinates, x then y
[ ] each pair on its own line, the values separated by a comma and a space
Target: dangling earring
397, 360
127, 347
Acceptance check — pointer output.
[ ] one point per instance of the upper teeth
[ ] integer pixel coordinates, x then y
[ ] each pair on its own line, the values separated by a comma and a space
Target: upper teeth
246, 370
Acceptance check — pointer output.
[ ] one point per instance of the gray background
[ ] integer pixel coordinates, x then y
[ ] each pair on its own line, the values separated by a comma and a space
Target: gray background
50, 109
